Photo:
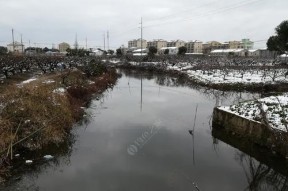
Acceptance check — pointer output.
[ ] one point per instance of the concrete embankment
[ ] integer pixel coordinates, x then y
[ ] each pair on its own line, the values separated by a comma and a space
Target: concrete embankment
274, 140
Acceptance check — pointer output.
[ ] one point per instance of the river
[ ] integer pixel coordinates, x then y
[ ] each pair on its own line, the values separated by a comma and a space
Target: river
157, 138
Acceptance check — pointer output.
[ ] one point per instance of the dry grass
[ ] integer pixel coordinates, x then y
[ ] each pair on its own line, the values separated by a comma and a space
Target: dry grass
36, 115
32, 107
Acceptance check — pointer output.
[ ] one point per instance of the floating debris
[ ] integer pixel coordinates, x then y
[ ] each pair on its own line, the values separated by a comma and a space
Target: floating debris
48, 157
28, 161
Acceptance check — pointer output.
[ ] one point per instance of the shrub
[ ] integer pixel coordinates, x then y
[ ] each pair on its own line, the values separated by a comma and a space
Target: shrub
94, 68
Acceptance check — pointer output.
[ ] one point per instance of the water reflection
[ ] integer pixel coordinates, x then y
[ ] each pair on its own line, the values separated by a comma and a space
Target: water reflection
23, 174
268, 172
166, 158
261, 177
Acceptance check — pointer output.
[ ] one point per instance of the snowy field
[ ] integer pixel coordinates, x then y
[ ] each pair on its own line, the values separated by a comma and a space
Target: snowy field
226, 76
229, 76
273, 108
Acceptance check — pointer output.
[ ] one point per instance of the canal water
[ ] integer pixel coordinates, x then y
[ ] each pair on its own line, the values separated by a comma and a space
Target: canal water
158, 137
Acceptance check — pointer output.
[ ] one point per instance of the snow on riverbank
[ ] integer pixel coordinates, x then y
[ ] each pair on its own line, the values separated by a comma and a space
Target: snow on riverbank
238, 76
275, 109
29, 80
230, 76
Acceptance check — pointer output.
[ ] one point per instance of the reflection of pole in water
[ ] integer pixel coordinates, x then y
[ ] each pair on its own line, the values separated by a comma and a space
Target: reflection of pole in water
141, 60
192, 133
129, 86
141, 93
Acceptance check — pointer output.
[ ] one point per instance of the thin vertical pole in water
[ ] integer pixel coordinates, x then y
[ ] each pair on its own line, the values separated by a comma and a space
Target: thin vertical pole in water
141, 37
141, 93
194, 134
140, 64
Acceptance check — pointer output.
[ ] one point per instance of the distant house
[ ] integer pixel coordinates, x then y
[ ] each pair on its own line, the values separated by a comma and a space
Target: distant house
16, 47
171, 50
227, 52
254, 53
63, 47
262, 53
283, 58
96, 53
140, 52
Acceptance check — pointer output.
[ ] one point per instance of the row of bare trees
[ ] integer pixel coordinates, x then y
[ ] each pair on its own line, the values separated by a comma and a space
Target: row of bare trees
11, 65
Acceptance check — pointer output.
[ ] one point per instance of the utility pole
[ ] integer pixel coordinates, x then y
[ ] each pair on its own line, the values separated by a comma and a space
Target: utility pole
86, 43
76, 42
13, 40
22, 46
104, 40
108, 40
141, 36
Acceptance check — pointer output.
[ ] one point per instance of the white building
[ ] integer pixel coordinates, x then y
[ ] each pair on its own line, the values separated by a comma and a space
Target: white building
283, 58
171, 50
96, 53
17, 47
226, 52
140, 52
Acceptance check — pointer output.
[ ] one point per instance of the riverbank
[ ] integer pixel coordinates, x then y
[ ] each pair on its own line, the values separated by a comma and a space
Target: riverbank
255, 79
41, 111
266, 127
262, 121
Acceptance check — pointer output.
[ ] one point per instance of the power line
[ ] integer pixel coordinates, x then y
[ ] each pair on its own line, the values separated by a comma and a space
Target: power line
185, 11
208, 13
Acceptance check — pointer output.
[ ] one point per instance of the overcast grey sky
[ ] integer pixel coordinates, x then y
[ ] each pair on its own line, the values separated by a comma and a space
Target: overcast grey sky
54, 21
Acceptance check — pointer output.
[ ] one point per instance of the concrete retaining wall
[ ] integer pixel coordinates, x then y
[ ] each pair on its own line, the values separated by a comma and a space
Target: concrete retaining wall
252, 131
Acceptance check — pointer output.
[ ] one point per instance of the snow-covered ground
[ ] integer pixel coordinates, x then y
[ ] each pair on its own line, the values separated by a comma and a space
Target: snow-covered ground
236, 76
230, 76
275, 109
29, 80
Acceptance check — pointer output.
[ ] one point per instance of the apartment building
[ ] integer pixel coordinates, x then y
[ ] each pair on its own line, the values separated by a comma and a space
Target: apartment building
212, 45
16, 47
235, 45
63, 46
158, 43
176, 43
247, 44
136, 43
243, 44
194, 46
